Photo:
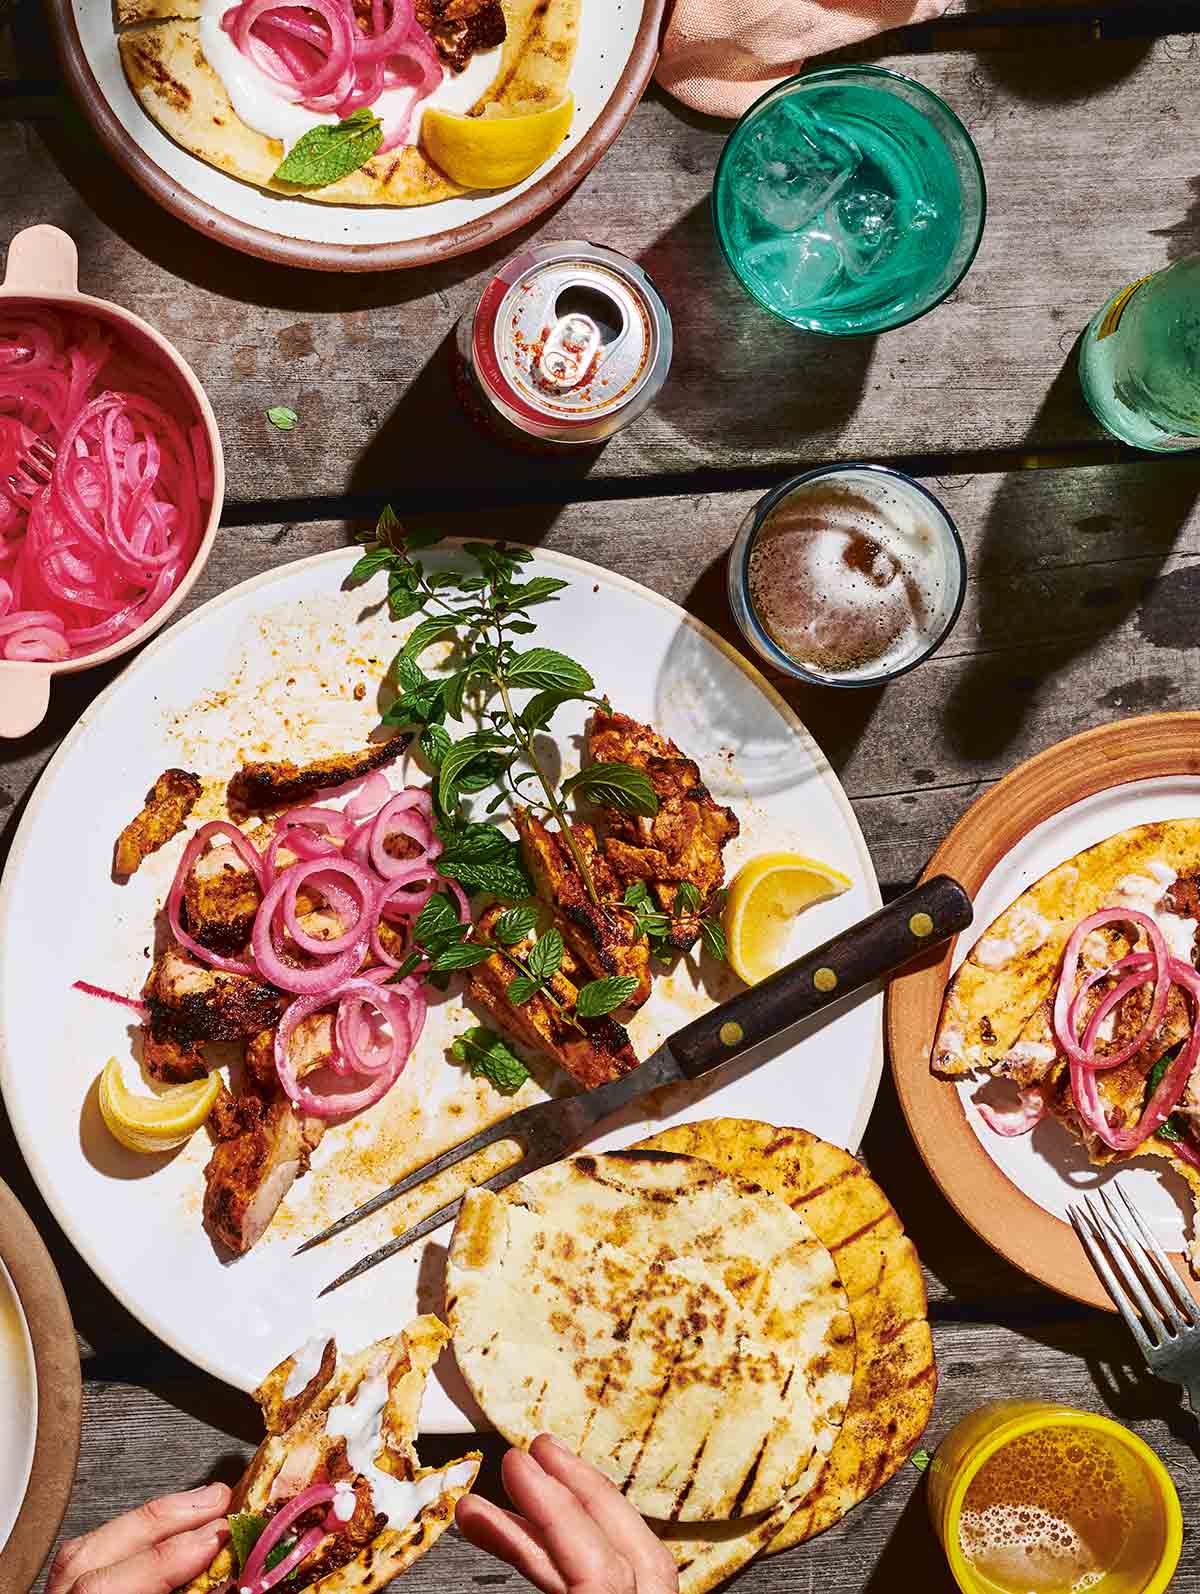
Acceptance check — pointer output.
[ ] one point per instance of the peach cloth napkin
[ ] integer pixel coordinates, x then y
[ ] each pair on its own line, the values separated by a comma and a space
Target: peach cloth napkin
718, 56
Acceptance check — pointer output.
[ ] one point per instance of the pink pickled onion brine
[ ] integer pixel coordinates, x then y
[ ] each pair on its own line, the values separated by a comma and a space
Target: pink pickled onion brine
87, 559
333, 59
331, 885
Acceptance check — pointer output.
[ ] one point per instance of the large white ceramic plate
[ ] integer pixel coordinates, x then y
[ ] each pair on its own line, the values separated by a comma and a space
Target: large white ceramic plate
270, 669
18, 1405
609, 31
1050, 1165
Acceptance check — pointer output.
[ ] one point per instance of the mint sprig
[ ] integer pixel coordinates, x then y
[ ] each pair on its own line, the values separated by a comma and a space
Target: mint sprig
331, 151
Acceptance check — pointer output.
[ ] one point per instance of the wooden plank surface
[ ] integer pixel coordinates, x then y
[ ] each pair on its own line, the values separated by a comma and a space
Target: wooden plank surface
365, 361
182, 1431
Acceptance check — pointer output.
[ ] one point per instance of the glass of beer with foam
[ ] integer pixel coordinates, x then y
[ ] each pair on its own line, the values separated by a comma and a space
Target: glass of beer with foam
1032, 1498
847, 576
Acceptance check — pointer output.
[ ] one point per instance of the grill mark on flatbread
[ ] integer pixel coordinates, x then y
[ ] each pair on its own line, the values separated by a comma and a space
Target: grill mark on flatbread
681, 1497
743, 1493
857, 1234
631, 1474
505, 81
822, 1189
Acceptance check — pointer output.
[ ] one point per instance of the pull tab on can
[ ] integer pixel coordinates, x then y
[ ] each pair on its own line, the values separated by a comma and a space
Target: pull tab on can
568, 352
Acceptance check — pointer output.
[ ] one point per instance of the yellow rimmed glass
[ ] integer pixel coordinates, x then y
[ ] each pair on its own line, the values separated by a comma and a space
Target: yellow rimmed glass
1151, 1554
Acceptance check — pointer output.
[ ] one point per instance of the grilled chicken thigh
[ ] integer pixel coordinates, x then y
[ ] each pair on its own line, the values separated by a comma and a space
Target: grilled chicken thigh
278, 782
263, 1141
163, 815
189, 1002
597, 1050
685, 839
604, 940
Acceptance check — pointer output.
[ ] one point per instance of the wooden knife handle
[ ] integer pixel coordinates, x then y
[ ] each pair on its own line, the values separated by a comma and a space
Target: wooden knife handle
877, 946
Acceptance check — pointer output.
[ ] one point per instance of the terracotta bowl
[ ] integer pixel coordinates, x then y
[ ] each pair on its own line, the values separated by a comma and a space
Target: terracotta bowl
43, 270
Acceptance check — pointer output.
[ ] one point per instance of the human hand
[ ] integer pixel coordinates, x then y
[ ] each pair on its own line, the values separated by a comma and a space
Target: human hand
575, 1534
152, 1550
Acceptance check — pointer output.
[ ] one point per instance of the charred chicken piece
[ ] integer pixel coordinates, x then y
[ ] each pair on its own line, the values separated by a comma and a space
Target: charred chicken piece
170, 1063
596, 1052
189, 1002
686, 838
603, 939
277, 783
164, 814
264, 1148
263, 1142
459, 28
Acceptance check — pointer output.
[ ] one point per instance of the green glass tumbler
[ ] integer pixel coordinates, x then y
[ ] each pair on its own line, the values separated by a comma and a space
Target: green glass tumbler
849, 200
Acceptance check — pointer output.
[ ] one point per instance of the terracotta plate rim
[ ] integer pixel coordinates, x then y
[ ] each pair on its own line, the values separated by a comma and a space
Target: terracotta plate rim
1002, 1215
60, 1394
282, 250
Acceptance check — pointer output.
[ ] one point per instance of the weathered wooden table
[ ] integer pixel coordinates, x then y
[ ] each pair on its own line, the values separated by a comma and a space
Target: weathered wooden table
1084, 602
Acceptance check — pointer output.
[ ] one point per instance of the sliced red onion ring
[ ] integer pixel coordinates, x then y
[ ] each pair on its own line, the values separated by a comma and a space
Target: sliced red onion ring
254, 1576
1079, 1053
192, 852
340, 1106
325, 873
370, 798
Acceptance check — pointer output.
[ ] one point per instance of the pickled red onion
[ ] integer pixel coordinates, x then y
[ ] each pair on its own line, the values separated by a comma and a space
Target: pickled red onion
375, 1024
1083, 1052
90, 557
255, 1575
323, 56
1018, 1120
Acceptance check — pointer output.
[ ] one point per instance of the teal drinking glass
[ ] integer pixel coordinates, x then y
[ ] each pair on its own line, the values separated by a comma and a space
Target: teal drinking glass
849, 200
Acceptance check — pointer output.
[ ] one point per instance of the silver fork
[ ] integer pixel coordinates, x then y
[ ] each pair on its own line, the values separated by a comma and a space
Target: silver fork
1157, 1306
35, 466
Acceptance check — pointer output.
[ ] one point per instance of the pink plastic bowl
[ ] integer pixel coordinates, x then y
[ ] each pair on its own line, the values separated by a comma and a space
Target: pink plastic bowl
43, 269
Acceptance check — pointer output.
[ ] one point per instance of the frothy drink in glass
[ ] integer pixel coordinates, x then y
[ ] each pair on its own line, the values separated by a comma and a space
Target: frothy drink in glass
853, 575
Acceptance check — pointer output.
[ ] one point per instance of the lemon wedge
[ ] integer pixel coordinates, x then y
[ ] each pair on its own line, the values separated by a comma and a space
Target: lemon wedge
496, 150
764, 900
159, 1122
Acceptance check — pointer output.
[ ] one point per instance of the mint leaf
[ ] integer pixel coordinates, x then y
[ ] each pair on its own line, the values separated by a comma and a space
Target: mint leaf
521, 989
540, 590
486, 1055
636, 892
327, 153
546, 955
506, 880
599, 997
712, 935
514, 925
542, 707
435, 744
687, 898
462, 955
548, 670
428, 632
408, 965
921, 1459
618, 786
284, 420
457, 761
374, 559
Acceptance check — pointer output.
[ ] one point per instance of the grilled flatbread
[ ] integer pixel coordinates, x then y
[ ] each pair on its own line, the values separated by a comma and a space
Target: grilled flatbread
894, 1373
1013, 966
681, 1329
297, 1406
167, 70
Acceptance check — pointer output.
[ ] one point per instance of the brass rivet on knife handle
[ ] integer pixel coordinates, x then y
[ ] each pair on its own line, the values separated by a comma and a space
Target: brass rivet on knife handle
868, 951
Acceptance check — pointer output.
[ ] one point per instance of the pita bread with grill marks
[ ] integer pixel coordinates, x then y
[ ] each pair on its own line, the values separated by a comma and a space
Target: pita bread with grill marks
680, 1328
159, 41
894, 1374
1013, 966
296, 1428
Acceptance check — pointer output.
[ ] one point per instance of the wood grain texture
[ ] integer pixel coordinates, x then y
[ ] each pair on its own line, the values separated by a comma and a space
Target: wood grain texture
179, 1433
365, 361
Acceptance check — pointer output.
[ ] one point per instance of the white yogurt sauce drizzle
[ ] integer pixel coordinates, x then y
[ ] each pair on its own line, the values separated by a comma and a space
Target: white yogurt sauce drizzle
262, 104
305, 1367
1144, 892
360, 1424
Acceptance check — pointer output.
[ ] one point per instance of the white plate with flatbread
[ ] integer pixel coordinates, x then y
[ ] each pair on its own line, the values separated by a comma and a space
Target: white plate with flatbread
616, 47
270, 669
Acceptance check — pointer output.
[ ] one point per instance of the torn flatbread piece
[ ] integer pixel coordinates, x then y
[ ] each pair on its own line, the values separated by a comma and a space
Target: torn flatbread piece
346, 1423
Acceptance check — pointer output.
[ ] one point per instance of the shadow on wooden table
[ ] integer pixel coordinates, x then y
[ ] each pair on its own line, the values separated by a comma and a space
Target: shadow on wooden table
1031, 526
803, 383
